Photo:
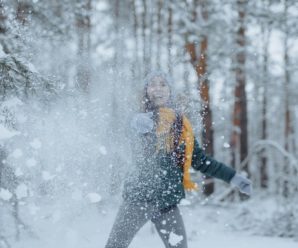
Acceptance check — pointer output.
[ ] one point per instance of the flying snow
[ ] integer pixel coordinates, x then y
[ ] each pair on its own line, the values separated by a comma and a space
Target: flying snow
31, 162
36, 144
17, 153
174, 239
94, 197
6, 134
103, 150
5, 194
21, 191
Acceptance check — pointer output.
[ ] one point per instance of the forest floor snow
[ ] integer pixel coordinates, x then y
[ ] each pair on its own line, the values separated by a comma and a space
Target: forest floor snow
89, 227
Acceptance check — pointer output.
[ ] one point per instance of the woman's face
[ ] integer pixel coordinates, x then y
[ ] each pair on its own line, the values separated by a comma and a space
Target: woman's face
158, 91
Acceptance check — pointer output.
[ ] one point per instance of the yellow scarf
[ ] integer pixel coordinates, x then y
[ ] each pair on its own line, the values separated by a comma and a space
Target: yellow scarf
165, 140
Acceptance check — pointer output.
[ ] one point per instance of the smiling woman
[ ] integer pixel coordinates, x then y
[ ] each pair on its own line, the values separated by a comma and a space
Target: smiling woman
158, 92
167, 150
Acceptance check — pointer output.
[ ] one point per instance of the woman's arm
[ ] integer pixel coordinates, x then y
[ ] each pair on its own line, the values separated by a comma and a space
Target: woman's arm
209, 166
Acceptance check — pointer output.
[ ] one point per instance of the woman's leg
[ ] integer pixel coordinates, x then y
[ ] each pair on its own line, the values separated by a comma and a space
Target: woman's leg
170, 227
130, 218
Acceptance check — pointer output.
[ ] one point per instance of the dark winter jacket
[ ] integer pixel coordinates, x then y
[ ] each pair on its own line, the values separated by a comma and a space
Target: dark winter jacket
159, 179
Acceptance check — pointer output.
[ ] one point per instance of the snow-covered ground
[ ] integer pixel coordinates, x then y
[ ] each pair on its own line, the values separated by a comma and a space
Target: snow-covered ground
88, 227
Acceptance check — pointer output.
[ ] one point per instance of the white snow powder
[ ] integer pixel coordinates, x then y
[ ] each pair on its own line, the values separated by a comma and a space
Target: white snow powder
12, 103
21, 117
83, 114
36, 144
2, 53
103, 150
184, 202
21, 191
5, 194
56, 216
33, 209
31, 162
47, 176
18, 172
31, 67
17, 153
71, 238
77, 195
6, 134
174, 239
94, 197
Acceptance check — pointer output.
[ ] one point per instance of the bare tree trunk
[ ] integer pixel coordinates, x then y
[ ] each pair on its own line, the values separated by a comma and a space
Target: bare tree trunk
263, 168
159, 33
135, 69
288, 126
151, 33
144, 36
206, 112
23, 11
200, 65
3, 28
117, 32
170, 30
239, 143
187, 89
57, 5
83, 24
288, 132
266, 32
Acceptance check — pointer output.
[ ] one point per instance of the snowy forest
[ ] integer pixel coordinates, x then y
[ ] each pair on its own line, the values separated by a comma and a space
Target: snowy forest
72, 74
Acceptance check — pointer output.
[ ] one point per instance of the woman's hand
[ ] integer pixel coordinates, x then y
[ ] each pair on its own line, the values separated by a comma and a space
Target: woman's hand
142, 122
242, 183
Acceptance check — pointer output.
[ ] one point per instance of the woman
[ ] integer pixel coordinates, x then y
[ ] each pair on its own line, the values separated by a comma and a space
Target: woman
166, 150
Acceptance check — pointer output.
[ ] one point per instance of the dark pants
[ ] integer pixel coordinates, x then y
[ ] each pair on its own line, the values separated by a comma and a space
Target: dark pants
132, 216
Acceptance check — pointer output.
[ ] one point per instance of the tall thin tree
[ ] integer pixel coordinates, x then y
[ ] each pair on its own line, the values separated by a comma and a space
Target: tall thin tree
135, 64
239, 143
3, 18
288, 131
266, 27
145, 35
23, 11
200, 65
83, 24
159, 32
170, 36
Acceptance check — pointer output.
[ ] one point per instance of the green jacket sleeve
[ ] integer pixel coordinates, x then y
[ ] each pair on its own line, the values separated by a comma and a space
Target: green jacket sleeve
209, 166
